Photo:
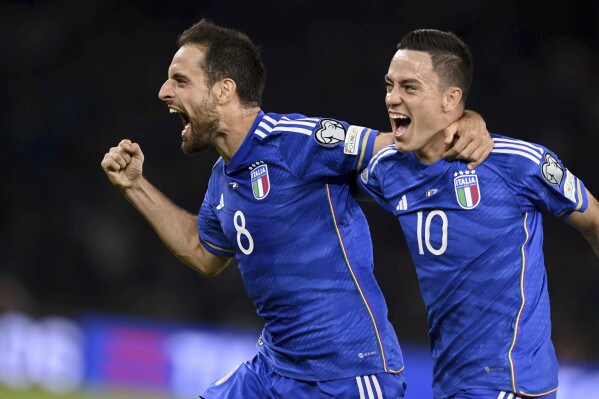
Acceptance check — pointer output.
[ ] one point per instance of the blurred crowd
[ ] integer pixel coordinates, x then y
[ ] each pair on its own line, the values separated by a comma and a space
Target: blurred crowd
80, 76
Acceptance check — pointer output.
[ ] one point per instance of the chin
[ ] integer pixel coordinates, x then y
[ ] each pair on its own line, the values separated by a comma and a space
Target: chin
401, 146
185, 148
191, 148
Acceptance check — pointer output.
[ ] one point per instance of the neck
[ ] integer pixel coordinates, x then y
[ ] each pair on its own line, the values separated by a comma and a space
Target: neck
435, 147
234, 127
433, 150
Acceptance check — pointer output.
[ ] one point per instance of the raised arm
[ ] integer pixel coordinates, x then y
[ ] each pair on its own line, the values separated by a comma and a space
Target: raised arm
176, 227
587, 222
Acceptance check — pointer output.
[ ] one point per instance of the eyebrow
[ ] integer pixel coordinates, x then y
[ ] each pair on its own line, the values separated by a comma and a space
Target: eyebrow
178, 75
407, 81
402, 82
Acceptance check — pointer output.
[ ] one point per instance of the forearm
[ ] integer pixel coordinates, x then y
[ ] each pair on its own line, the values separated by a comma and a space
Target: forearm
176, 227
382, 140
589, 228
592, 238
588, 222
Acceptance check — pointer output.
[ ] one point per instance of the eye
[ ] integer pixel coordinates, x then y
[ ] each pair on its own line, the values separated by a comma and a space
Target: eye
388, 87
180, 81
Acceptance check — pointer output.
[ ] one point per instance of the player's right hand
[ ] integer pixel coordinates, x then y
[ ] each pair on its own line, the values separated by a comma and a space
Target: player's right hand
123, 164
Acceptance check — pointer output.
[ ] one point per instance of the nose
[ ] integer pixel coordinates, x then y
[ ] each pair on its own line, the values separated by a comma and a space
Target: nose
393, 97
166, 91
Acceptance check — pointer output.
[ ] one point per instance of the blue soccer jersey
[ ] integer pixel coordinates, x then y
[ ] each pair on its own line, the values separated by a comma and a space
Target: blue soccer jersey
282, 207
476, 240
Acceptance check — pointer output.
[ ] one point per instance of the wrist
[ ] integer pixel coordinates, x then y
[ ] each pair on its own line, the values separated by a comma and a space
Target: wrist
135, 186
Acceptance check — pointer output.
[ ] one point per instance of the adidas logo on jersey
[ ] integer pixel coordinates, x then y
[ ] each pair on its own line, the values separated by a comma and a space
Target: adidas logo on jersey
403, 204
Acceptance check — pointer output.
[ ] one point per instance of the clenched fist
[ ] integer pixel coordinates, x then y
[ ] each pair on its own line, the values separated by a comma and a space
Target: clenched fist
123, 164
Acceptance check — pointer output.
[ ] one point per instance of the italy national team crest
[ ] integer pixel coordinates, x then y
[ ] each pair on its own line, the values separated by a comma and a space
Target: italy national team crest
467, 190
260, 181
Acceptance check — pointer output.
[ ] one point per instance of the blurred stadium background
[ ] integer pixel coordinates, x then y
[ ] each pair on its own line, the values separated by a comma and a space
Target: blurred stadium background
93, 305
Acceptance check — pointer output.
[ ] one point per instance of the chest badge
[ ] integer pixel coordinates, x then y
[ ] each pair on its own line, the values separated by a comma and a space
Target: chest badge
260, 181
467, 190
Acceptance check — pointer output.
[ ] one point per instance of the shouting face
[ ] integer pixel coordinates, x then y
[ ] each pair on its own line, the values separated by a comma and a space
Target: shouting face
187, 94
416, 102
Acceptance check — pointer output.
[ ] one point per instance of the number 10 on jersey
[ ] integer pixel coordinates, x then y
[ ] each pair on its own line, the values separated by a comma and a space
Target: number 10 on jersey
427, 232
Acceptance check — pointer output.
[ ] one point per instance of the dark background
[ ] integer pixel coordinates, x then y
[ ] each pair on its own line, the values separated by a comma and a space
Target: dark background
78, 76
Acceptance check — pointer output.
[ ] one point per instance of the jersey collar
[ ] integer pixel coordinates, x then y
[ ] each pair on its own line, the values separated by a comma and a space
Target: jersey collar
241, 154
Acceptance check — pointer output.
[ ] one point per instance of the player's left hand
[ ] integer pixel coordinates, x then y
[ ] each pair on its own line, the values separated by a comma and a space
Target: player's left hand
468, 138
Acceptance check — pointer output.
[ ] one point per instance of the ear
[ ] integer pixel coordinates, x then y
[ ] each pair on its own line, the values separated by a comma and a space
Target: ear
224, 90
452, 98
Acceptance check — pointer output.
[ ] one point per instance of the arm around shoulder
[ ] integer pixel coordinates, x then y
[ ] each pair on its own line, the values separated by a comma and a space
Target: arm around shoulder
468, 138
587, 222
382, 140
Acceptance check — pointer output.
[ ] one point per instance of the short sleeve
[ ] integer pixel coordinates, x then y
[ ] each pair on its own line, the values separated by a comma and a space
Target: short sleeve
561, 192
540, 178
371, 179
316, 148
210, 230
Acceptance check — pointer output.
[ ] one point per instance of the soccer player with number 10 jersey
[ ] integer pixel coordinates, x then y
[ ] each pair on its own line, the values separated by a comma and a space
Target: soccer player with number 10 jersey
475, 235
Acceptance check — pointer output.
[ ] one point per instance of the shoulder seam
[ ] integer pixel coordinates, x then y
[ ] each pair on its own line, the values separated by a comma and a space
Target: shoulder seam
302, 125
265, 127
519, 148
383, 153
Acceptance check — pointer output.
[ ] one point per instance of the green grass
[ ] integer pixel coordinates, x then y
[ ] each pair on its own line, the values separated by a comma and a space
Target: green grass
6, 393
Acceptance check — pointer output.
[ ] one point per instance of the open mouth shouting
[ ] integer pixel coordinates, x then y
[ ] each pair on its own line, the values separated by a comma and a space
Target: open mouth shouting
400, 123
184, 119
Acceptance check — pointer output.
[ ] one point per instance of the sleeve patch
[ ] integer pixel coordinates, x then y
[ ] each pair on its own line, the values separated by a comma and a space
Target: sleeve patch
570, 186
352, 140
331, 132
364, 176
552, 171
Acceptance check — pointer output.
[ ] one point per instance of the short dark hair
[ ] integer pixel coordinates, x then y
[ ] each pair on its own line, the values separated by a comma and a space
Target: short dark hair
229, 54
450, 56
